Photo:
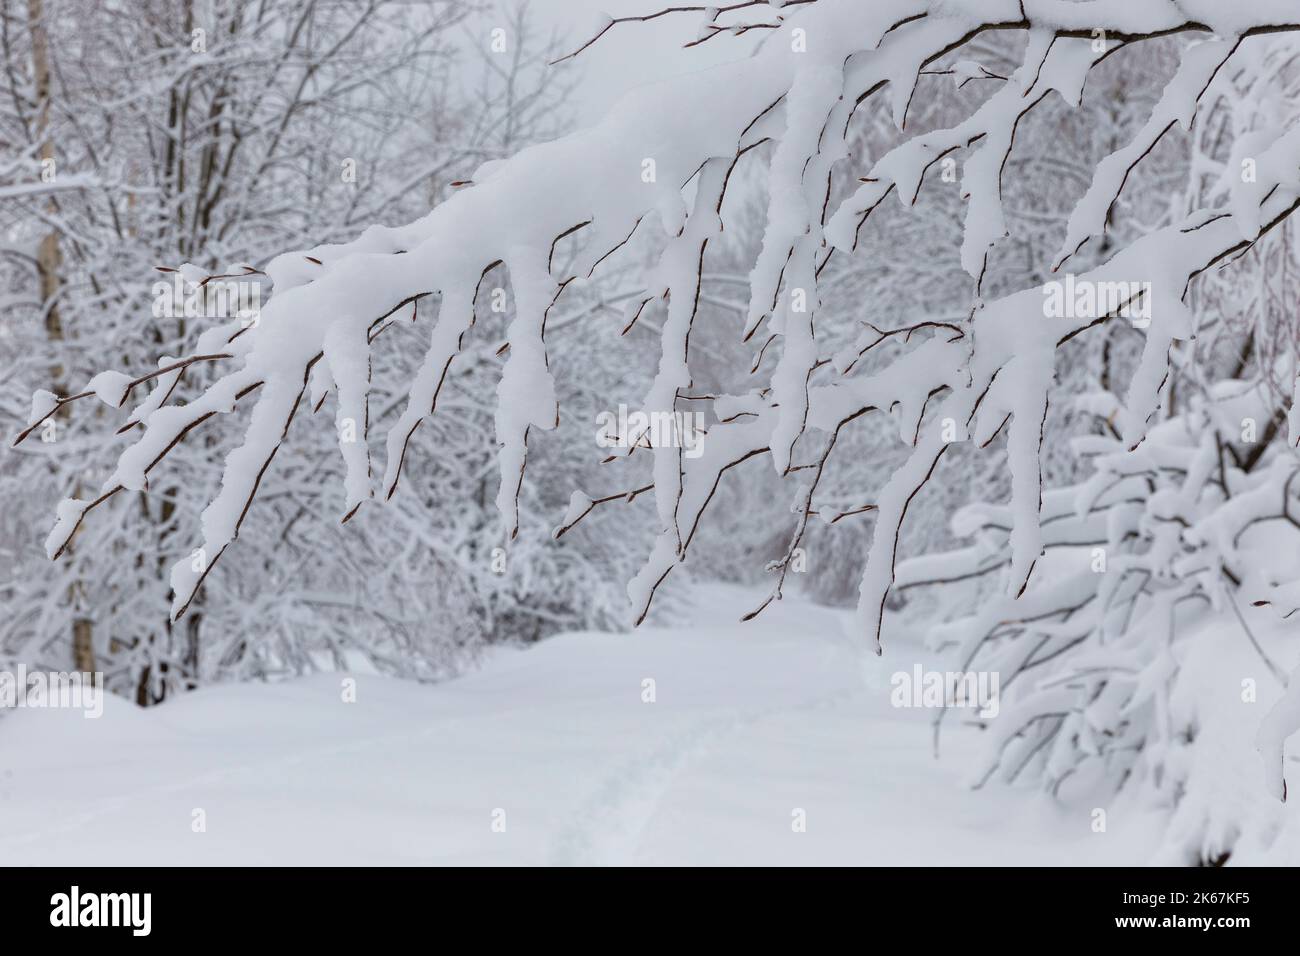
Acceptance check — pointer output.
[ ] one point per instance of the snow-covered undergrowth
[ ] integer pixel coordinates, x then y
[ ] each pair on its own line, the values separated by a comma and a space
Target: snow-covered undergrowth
749, 725
1147, 651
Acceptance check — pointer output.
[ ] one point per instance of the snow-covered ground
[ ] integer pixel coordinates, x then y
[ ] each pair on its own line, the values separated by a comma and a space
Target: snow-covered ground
750, 725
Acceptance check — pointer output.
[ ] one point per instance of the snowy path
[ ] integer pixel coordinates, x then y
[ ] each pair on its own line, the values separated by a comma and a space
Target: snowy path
750, 724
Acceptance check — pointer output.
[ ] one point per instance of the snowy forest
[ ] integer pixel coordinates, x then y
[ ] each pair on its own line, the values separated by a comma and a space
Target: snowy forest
615, 432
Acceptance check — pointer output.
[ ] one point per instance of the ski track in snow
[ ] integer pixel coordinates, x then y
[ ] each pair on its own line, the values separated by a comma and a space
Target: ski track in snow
621, 807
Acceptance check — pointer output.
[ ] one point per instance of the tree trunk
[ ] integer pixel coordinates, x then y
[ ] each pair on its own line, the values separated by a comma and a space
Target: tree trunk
49, 260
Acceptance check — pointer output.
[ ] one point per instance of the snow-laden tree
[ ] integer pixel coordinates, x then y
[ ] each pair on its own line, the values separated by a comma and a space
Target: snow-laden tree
907, 268
1156, 555
262, 125
663, 158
